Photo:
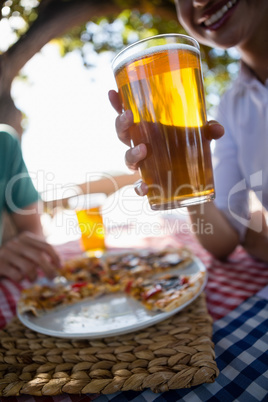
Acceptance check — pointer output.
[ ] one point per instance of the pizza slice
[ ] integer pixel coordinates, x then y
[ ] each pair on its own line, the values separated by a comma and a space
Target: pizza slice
165, 292
146, 263
40, 299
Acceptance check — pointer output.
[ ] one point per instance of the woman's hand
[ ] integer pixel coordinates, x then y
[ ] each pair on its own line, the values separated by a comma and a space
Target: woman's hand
122, 124
22, 255
133, 156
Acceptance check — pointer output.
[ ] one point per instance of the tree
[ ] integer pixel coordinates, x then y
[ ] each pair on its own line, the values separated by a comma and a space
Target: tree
44, 21
74, 22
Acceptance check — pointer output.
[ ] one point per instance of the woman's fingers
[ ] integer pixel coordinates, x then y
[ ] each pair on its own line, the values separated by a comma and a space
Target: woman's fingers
122, 124
124, 120
115, 101
18, 259
213, 130
134, 155
141, 188
15, 266
25, 253
40, 245
10, 272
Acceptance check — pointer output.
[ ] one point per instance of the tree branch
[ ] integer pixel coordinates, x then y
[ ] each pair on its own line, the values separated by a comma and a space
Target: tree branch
55, 17
53, 21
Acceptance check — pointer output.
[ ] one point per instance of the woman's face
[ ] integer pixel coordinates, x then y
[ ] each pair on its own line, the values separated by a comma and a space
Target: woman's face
221, 23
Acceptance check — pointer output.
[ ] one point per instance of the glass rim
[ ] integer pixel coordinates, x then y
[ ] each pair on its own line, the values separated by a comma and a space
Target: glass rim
86, 201
186, 37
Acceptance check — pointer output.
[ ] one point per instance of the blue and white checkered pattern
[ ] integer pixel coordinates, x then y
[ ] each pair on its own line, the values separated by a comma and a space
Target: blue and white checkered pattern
241, 347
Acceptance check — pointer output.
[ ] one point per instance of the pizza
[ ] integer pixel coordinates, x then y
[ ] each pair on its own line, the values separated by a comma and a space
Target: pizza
165, 292
147, 262
83, 269
40, 299
156, 279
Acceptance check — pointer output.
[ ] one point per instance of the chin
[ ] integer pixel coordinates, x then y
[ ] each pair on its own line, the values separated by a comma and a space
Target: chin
215, 40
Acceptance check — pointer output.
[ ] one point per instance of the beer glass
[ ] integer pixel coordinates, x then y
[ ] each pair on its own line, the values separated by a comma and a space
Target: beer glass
160, 80
88, 210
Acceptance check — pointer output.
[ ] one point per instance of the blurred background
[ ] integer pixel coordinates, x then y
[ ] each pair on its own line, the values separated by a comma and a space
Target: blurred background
55, 74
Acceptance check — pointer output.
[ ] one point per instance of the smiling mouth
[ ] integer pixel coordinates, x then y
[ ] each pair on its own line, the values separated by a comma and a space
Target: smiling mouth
215, 18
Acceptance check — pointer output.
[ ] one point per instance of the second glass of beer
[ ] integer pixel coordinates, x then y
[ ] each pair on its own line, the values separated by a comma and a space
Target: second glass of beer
160, 80
88, 208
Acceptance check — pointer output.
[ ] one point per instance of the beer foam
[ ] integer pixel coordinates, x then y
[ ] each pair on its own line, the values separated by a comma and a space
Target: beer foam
152, 50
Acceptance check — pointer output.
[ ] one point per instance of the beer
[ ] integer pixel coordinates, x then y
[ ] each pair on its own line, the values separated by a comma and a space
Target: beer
90, 222
163, 87
88, 208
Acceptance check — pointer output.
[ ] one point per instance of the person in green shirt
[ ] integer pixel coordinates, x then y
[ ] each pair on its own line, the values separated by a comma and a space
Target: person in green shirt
21, 255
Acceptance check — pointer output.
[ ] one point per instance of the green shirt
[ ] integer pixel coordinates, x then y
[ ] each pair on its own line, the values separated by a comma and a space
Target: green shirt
16, 188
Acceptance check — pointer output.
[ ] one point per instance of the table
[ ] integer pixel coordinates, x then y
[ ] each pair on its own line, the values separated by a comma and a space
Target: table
239, 307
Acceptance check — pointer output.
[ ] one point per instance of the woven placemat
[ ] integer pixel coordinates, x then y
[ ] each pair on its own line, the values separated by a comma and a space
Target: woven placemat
176, 353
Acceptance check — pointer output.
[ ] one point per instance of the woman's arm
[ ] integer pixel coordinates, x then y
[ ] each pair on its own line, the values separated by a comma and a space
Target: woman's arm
213, 230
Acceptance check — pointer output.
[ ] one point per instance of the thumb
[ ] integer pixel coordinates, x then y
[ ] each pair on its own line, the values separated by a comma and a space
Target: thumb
213, 130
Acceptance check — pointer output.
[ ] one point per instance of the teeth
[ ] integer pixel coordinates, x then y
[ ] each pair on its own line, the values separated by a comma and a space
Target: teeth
219, 14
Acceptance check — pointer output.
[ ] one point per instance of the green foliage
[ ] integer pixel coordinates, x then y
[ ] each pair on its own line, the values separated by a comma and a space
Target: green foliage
26, 10
112, 33
219, 66
70, 41
128, 27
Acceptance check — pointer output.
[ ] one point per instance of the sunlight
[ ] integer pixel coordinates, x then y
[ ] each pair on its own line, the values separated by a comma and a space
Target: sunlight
70, 134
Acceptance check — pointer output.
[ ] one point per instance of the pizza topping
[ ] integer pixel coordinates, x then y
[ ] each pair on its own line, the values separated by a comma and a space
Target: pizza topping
152, 292
46, 293
57, 299
170, 260
131, 261
174, 282
136, 274
78, 285
128, 286
111, 281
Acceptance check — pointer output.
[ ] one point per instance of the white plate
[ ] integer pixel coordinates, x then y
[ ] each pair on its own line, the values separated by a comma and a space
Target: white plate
109, 315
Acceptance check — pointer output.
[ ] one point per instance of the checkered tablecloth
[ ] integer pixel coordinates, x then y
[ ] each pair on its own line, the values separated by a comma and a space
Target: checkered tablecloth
239, 333
241, 344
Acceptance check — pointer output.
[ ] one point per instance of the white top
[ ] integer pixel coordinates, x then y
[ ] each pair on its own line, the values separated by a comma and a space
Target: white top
241, 156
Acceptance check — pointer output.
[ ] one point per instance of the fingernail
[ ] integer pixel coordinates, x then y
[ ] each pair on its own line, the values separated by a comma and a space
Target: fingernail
213, 123
136, 150
138, 185
125, 116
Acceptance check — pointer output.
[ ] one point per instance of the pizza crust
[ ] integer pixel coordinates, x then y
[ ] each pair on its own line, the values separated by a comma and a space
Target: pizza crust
180, 297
